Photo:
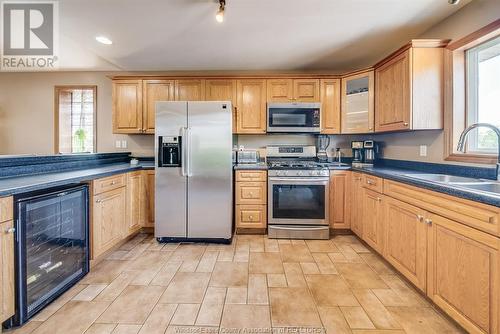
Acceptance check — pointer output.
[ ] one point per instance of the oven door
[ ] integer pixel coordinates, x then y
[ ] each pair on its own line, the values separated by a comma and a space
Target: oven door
298, 201
293, 117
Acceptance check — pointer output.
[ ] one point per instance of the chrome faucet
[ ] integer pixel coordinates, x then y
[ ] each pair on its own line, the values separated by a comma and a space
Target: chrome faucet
463, 137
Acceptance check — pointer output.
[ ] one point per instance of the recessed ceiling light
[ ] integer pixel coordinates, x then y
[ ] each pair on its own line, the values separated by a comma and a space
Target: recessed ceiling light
219, 16
104, 40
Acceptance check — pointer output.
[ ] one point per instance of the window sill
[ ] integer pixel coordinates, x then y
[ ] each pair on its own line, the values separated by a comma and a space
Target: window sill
473, 158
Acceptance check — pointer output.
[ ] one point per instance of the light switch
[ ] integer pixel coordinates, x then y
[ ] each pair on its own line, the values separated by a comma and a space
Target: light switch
423, 150
124, 144
118, 144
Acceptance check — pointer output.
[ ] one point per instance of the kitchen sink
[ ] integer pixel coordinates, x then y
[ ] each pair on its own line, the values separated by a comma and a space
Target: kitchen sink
486, 187
448, 179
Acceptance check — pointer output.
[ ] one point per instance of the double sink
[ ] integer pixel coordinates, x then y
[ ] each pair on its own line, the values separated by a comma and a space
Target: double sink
488, 187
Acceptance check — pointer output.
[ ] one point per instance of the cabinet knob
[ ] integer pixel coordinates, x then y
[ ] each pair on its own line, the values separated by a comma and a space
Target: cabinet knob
98, 201
379, 199
113, 183
358, 179
428, 221
405, 124
420, 218
250, 217
10, 230
369, 182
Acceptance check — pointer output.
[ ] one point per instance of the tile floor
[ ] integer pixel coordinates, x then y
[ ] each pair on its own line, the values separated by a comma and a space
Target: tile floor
259, 284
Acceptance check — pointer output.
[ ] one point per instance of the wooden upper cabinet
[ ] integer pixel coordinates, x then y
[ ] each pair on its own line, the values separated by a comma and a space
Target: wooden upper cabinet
222, 90
279, 90
330, 106
154, 91
340, 199
463, 274
409, 88
251, 106
406, 240
293, 90
306, 90
127, 106
190, 90
358, 103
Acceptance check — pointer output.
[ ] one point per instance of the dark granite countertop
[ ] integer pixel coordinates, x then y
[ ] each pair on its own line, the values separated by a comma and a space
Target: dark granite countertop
22, 184
404, 176
258, 166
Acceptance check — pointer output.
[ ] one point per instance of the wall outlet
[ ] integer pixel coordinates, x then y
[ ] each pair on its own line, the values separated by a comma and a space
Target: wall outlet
423, 150
124, 144
118, 144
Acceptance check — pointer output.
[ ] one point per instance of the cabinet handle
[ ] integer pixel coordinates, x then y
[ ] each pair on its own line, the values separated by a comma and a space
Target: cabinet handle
358, 179
113, 183
379, 199
428, 221
98, 201
370, 182
370, 128
420, 218
250, 217
405, 124
10, 230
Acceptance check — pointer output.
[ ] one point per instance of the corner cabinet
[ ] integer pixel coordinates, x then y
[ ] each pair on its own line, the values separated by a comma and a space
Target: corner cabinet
358, 104
330, 106
251, 106
127, 106
409, 88
7, 280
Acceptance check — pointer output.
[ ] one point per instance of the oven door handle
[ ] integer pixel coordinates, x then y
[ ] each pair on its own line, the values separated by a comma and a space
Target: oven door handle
297, 179
308, 228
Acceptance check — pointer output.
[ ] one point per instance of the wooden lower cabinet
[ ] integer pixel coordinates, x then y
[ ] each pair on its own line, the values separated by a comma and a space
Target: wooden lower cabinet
7, 283
251, 216
109, 220
340, 199
356, 204
463, 274
149, 212
373, 219
136, 201
251, 199
406, 240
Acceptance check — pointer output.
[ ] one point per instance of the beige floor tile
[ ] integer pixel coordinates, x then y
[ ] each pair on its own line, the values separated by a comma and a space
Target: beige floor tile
207, 262
185, 314
116, 287
338, 257
101, 329
360, 276
333, 320
90, 292
287, 312
349, 253
226, 255
188, 253
271, 245
136, 252
330, 290
356, 317
377, 264
157, 322
186, 288
53, 307
170, 247
149, 260
27, 328
378, 314
404, 291
295, 253
188, 266
389, 297
134, 242
126, 329
257, 245
75, 317
155, 246
265, 263
211, 309
228, 274
117, 255
276, 281
165, 275
321, 246
294, 275
360, 248
298, 242
246, 316
176, 329
236, 295
309, 268
143, 277
105, 272
417, 320
257, 289
133, 305
284, 241
324, 263
242, 252
378, 331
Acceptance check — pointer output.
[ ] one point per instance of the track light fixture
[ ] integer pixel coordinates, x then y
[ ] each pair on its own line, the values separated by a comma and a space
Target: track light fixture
453, 2
219, 16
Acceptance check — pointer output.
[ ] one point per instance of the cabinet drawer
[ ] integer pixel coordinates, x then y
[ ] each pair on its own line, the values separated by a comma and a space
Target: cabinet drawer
481, 216
251, 193
251, 216
251, 176
372, 182
109, 183
6, 209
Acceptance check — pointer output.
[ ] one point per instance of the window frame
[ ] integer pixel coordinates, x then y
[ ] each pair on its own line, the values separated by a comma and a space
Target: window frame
456, 103
57, 90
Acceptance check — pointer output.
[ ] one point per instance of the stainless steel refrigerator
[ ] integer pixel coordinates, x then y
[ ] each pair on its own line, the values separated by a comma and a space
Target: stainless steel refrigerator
194, 172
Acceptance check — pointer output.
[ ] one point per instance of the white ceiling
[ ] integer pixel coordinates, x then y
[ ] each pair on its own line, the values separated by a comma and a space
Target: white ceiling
166, 35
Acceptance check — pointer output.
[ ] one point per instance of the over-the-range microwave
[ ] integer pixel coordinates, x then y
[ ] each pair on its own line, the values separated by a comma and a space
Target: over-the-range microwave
293, 117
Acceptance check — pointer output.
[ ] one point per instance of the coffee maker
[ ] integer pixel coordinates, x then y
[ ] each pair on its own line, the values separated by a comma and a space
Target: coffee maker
364, 153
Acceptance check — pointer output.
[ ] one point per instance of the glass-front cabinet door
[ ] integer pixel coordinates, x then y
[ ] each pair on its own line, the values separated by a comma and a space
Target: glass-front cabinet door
357, 111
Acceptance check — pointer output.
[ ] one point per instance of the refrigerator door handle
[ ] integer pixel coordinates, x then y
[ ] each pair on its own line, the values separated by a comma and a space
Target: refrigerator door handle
189, 171
184, 151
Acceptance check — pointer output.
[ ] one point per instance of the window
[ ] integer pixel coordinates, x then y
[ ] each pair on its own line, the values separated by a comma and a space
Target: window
75, 115
483, 94
472, 94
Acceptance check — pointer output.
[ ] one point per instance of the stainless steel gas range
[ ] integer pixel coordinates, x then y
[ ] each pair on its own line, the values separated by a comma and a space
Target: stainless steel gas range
298, 193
